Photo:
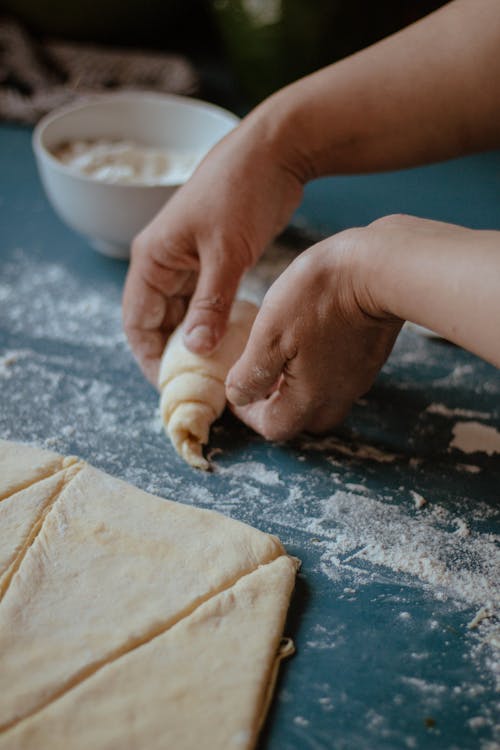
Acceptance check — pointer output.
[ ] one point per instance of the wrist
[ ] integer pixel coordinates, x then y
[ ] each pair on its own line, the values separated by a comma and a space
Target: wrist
369, 261
277, 124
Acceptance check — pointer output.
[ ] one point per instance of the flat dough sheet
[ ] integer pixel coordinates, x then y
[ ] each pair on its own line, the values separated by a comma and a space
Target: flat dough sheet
127, 620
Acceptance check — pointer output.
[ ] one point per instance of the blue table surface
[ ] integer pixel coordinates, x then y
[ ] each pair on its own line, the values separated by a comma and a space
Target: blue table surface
384, 655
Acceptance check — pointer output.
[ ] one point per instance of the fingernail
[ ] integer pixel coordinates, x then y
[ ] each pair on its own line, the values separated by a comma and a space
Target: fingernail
200, 339
236, 397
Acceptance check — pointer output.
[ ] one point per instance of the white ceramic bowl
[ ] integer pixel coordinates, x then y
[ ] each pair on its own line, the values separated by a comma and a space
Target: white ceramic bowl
111, 214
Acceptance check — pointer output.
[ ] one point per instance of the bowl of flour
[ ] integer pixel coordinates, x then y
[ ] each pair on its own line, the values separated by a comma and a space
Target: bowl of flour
108, 165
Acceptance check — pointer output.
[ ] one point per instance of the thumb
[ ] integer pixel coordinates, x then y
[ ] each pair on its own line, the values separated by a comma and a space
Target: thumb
210, 305
259, 368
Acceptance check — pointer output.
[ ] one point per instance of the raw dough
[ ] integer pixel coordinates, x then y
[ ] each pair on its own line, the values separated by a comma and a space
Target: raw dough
125, 610
21, 516
21, 465
192, 387
30, 479
200, 684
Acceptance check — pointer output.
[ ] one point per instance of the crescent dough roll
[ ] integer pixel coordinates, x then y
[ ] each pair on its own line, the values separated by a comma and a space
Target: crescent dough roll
192, 386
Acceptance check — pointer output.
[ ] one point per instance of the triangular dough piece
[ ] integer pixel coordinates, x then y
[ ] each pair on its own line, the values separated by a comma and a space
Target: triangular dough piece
201, 684
21, 515
111, 567
22, 465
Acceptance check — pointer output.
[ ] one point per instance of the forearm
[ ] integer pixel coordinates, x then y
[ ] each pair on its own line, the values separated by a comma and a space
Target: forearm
441, 276
428, 92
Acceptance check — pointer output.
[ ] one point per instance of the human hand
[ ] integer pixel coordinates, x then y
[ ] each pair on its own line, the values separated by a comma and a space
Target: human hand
316, 345
194, 252
329, 322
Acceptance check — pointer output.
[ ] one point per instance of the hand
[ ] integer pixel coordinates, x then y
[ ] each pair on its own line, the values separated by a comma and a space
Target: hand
194, 252
316, 344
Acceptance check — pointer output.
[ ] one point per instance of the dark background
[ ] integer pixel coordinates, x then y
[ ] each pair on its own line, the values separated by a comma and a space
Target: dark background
227, 34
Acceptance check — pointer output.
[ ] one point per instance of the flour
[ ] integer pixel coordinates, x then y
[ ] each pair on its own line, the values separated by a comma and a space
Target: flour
418, 500
433, 688
253, 470
445, 411
358, 451
357, 528
71, 385
301, 721
128, 163
474, 437
469, 468
50, 303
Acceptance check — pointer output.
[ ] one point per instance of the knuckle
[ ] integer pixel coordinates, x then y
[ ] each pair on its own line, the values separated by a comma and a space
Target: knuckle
349, 239
256, 384
215, 303
260, 376
288, 347
395, 219
138, 246
278, 339
234, 245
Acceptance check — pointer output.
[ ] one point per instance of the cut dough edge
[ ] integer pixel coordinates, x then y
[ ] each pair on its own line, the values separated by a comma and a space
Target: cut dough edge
133, 644
81, 715
64, 476
13, 734
271, 550
19, 456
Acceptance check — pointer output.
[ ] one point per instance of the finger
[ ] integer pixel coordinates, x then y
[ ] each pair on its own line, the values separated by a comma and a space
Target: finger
257, 372
147, 347
148, 282
210, 305
279, 417
152, 309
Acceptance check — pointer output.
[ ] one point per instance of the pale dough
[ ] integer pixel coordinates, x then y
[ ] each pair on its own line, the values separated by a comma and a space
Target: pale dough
192, 387
29, 480
131, 621
21, 465
201, 684
21, 516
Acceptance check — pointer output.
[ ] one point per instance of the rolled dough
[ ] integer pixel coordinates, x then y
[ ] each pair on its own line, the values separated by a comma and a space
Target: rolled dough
192, 387
125, 611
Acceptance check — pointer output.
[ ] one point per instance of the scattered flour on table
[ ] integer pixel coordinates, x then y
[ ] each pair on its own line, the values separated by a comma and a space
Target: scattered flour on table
445, 411
300, 721
469, 468
459, 374
70, 383
359, 450
44, 300
418, 500
360, 538
430, 547
252, 470
364, 538
474, 437
325, 639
